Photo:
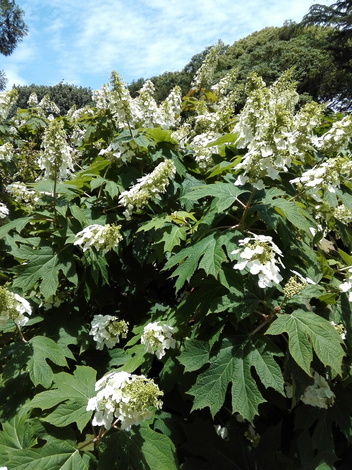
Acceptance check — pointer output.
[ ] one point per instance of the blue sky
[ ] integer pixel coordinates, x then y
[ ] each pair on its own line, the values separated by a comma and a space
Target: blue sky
81, 41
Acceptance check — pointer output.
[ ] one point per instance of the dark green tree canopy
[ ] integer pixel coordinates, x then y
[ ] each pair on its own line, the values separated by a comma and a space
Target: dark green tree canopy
337, 15
12, 26
64, 95
12, 30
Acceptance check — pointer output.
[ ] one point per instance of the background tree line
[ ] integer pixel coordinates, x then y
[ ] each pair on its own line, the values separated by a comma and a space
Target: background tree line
319, 49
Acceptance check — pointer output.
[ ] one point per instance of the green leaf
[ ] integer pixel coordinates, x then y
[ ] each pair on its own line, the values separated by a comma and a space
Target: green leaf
160, 135
43, 265
224, 139
157, 449
346, 257
307, 332
17, 224
225, 194
16, 432
172, 236
141, 448
78, 214
45, 348
154, 223
194, 355
232, 364
207, 253
55, 455
288, 210
71, 393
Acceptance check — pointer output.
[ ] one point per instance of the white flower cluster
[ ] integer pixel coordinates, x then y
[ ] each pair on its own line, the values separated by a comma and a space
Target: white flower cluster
102, 237
227, 83
205, 73
54, 301
157, 337
202, 153
221, 431
47, 106
142, 111
326, 176
32, 100
56, 157
123, 397
343, 214
14, 307
107, 330
21, 193
121, 153
337, 139
319, 394
271, 131
7, 100
6, 152
4, 212
259, 254
147, 187
76, 114
340, 329
347, 285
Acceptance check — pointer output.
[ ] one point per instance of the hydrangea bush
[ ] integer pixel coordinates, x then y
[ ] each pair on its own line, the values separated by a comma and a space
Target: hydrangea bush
176, 280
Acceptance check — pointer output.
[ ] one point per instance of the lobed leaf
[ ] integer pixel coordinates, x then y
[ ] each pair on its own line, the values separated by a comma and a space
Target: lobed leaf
71, 393
307, 332
232, 364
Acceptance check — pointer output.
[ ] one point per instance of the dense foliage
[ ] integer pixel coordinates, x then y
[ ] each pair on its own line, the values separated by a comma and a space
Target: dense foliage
176, 280
64, 95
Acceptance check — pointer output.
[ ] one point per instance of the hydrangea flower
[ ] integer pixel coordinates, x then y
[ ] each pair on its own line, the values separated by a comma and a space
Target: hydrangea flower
202, 153
102, 237
296, 284
107, 330
259, 254
21, 193
347, 285
273, 134
326, 176
7, 100
4, 212
221, 431
56, 157
123, 397
14, 307
205, 73
6, 152
147, 187
319, 394
343, 214
32, 100
336, 139
122, 152
157, 337
340, 329
142, 111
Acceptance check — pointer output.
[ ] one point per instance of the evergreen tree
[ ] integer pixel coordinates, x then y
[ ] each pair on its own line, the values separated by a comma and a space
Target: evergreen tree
12, 30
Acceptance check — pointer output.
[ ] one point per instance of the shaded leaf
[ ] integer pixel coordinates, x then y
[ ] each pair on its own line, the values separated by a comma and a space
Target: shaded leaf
45, 348
307, 332
232, 364
194, 355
